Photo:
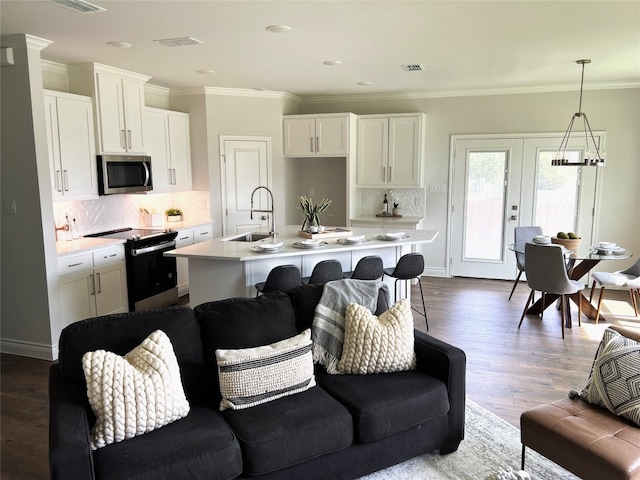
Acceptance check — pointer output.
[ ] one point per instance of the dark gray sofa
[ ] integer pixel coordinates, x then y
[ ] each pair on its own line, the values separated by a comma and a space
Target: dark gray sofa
345, 427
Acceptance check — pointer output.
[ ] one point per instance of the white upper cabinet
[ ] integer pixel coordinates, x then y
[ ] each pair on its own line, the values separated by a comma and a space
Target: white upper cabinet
316, 135
71, 145
390, 150
119, 98
168, 144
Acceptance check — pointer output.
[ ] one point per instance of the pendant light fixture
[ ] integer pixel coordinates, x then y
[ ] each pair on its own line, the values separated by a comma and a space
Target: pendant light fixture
592, 156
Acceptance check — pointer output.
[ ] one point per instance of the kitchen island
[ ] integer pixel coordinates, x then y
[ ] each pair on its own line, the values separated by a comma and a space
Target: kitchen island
223, 267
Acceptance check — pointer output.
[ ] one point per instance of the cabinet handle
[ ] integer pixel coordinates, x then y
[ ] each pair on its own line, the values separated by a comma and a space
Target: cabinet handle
169, 176
110, 256
390, 177
123, 142
311, 138
71, 265
317, 144
384, 174
93, 285
203, 233
174, 175
183, 238
99, 284
128, 138
58, 180
65, 182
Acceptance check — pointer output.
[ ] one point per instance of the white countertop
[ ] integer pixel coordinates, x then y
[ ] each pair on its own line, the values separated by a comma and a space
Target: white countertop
216, 249
183, 225
85, 244
374, 219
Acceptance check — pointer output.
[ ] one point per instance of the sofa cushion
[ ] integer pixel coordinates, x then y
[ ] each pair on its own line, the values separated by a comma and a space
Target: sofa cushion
385, 403
244, 323
201, 445
381, 344
120, 333
252, 376
290, 430
134, 394
614, 382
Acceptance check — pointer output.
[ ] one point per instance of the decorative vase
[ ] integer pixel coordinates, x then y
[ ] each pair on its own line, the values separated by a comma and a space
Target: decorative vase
397, 211
174, 218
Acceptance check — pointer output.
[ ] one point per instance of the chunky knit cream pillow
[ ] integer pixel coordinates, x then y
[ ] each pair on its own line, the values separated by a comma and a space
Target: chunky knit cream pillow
378, 344
134, 394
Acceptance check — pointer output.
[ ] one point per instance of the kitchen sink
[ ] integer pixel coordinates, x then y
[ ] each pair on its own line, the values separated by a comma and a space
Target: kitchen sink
247, 237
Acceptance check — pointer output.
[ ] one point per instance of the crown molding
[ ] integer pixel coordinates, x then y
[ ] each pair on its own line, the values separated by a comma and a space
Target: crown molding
395, 96
156, 89
23, 39
53, 67
233, 92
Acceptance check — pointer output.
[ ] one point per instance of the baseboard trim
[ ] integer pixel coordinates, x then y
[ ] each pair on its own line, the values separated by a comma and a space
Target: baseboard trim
435, 272
29, 349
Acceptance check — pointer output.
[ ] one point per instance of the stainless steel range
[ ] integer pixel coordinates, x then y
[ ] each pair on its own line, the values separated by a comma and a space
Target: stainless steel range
151, 277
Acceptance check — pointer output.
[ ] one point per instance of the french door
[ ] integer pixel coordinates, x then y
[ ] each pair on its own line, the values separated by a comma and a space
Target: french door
500, 183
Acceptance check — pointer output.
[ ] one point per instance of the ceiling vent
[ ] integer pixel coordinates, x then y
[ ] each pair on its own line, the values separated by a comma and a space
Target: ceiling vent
79, 6
178, 42
413, 67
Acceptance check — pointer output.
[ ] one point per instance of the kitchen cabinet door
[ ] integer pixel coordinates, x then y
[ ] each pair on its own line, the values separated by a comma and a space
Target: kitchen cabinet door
111, 289
120, 106
372, 152
404, 152
71, 146
168, 144
184, 238
77, 299
312, 136
299, 137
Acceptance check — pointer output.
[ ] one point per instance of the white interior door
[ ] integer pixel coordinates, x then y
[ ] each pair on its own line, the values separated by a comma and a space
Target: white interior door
485, 206
246, 164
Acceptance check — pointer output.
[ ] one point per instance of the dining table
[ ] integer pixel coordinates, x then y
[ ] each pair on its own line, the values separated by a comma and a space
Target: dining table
580, 261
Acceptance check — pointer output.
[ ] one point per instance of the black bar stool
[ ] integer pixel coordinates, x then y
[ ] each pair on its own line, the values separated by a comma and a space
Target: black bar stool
367, 268
409, 267
280, 279
323, 272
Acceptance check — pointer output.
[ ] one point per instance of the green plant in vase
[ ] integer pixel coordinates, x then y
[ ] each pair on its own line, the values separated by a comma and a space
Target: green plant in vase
312, 212
173, 214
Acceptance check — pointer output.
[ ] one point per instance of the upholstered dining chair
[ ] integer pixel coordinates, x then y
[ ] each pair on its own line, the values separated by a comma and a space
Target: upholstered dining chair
409, 267
522, 235
547, 272
367, 268
323, 272
280, 279
629, 278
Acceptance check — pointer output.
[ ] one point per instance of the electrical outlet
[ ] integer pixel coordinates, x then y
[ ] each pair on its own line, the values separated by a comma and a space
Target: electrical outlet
10, 207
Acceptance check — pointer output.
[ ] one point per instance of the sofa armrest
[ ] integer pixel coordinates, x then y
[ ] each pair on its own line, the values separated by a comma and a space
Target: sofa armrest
447, 363
70, 453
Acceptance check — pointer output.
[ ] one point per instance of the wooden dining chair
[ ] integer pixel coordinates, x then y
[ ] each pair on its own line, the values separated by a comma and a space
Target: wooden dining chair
629, 278
547, 272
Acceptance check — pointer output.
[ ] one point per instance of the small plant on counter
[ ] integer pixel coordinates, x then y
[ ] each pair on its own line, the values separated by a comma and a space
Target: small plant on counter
174, 214
312, 212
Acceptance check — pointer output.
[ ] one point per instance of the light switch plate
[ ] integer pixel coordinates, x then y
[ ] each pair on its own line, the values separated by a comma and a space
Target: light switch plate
437, 187
10, 206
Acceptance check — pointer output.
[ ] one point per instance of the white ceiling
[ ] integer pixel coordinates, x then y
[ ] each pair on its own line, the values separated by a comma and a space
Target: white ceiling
465, 46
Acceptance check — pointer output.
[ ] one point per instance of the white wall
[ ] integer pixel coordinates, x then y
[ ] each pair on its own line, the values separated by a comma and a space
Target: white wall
615, 111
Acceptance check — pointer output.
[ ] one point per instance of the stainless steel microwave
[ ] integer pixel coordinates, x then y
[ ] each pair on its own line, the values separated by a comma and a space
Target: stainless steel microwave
124, 174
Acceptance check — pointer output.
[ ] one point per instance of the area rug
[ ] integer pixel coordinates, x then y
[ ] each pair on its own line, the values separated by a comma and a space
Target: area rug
489, 444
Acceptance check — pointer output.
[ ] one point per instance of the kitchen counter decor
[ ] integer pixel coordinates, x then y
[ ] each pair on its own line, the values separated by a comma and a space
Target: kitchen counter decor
174, 215
312, 213
328, 232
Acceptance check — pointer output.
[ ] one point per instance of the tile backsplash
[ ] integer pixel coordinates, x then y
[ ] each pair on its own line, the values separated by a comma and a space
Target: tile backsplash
116, 211
410, 200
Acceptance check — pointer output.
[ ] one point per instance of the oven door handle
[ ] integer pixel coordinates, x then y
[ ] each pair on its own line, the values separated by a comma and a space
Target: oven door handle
153, 248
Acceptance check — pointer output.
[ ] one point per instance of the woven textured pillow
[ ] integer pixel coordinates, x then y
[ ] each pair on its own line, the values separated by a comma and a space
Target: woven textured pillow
134, 394
252, 376
381, 344
614, 382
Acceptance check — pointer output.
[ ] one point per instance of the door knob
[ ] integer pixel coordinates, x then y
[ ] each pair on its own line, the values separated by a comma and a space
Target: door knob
263, 217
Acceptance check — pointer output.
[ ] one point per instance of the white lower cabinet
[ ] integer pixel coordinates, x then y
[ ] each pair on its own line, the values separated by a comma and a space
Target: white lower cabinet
93, 284
184, 238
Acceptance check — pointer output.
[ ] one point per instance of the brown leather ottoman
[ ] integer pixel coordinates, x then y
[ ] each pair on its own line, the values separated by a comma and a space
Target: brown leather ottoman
583, 438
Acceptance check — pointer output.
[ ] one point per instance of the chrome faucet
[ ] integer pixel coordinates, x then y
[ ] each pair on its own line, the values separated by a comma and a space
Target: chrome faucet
272, 211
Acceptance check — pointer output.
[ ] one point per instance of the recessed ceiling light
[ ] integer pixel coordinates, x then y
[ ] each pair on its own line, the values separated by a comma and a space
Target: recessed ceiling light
79, 6
119, 44
206, 71
332, 63
279, 28
365, 84
178, 42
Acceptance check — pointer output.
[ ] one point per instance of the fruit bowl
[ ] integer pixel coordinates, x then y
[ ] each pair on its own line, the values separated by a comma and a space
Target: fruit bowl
568, 243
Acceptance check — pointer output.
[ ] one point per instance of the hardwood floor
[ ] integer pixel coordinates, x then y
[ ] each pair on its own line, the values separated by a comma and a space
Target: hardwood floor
508, 370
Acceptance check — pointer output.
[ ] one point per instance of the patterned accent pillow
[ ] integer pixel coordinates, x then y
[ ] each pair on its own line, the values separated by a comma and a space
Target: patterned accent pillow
134, 394
614, 382
381, 344
252, 376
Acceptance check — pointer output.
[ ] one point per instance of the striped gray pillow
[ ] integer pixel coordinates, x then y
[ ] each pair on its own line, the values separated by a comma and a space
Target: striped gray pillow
252, 376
